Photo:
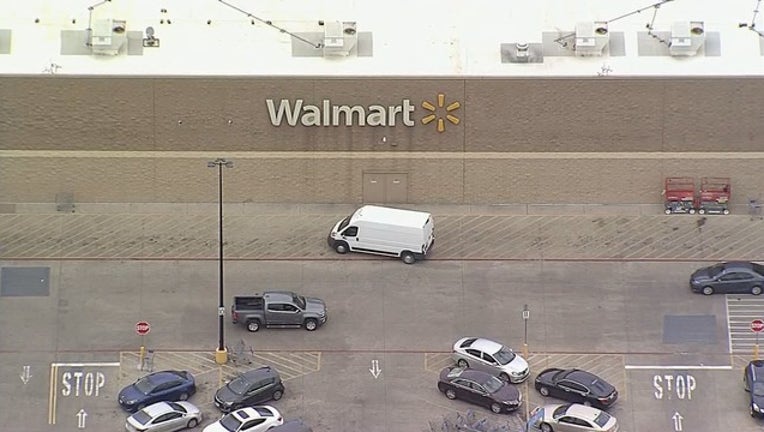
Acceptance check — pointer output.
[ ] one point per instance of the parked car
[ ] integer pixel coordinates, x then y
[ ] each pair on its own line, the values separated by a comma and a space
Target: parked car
492, 357
735, 277
293, 426
753, 382
282, 309
250, 419
169, 385
480, 388
164, 417
571, 418
575, 385
250, 388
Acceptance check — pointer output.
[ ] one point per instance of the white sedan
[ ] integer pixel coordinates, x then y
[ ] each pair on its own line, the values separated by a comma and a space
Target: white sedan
571, 418
250, 419
164, 417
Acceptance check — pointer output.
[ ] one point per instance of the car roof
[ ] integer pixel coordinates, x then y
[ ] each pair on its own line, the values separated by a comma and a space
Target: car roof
253, 412
260, 373
164, 376
158, 409
738, 265
474, 375
581, 376
485, 345
583, 412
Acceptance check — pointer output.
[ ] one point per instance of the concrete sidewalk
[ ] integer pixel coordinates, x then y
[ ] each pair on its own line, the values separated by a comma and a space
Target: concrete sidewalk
284, 231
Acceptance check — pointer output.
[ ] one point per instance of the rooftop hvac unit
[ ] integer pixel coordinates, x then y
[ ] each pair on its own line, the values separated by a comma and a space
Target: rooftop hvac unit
340, 37
591, 38
686, 38
107, 36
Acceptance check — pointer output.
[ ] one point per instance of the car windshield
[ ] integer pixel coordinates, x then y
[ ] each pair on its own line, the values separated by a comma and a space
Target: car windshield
600, 387
493, 384
343, 224
758, 389
177, 407
141, 417
758, 268
230, 423
299, 301
144, 385
602, 419
504, 356
239, 385
560, 411
715, 270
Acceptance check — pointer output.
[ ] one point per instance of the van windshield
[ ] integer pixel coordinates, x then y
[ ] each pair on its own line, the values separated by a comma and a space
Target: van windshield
343, 224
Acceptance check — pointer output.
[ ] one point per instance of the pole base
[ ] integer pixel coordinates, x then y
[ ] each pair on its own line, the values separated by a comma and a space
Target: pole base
221, 356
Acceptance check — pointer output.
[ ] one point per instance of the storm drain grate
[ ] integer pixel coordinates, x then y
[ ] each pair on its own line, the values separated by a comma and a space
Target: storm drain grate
24, 281
689, 328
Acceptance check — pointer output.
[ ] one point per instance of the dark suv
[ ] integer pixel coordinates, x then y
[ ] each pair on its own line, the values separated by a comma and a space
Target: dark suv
250, 388
753, 382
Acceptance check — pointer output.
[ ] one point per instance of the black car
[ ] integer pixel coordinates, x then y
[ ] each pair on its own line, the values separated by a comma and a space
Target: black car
753, 382
479, 388
250, 388
735, 277
575, 385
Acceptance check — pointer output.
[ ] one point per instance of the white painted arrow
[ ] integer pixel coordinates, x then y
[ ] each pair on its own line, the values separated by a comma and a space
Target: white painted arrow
677, 421
81, 416
374, 369
25, 374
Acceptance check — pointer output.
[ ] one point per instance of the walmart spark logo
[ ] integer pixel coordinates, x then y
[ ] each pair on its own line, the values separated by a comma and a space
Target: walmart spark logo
438, 111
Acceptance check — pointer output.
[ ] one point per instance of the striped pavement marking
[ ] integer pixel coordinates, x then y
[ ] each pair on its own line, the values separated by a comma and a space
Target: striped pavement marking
609, 367
741, 310
290, 365
303, 236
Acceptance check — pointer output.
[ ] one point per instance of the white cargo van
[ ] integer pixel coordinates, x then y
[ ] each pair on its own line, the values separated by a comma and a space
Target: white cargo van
387, 231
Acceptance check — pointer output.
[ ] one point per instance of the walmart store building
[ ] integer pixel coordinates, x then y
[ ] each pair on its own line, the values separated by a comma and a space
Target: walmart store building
467, 130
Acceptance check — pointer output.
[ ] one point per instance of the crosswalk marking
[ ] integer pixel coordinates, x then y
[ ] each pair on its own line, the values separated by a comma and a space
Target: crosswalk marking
741, 310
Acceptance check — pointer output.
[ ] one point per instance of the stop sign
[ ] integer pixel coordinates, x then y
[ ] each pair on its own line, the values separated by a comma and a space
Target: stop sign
757, 325
143, 327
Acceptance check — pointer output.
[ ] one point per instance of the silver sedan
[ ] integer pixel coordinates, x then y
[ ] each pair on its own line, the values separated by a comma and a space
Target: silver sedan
164, 417
492, 357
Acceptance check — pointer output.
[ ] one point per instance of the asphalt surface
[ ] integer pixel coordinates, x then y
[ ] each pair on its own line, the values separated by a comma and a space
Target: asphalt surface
291, 232
676, 357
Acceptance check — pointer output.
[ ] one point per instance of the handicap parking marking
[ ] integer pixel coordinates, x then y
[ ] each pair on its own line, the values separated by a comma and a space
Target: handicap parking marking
741, 310
77, 380
290, 365
435, 362
609, 367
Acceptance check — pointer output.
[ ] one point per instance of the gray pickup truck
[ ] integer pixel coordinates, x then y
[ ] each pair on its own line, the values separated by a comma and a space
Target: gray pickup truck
278, 309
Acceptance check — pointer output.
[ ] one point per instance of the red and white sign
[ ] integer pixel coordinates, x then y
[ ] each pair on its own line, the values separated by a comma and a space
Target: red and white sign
143, 328
757, 325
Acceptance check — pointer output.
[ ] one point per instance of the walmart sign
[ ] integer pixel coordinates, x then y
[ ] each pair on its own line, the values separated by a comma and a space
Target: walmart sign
328, 114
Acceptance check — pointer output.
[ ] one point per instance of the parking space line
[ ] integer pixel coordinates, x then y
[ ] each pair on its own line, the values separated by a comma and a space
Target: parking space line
51, 395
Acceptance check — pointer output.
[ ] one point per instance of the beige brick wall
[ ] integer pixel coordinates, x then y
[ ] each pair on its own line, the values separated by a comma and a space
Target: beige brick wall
157, 133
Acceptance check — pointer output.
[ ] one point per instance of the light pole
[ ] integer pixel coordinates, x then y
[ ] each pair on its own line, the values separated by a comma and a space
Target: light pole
526, 317
221, 354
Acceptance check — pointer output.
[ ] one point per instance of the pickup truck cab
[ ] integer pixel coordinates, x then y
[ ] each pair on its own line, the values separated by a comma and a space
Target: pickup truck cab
278, 309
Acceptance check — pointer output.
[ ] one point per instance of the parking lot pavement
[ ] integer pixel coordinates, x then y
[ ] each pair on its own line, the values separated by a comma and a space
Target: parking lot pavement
260, 233
405, 317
